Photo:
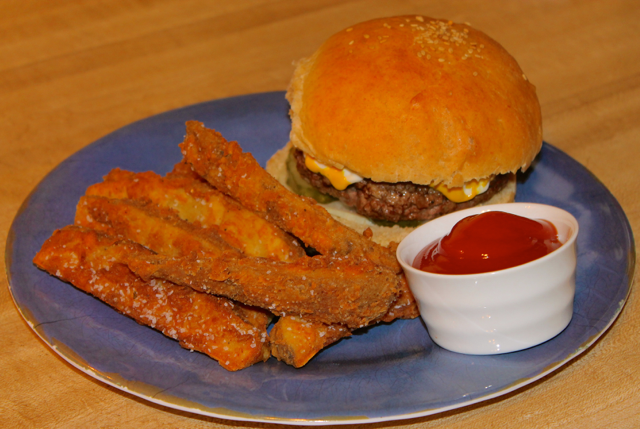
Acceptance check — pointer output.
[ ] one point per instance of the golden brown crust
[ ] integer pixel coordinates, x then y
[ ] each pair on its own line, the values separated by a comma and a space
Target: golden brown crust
321, 289
197, 202
158, 229
295, 341
91, 261
236, 173
406, 99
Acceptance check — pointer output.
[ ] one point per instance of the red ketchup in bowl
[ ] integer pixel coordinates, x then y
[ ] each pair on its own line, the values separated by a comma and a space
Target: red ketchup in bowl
488, 242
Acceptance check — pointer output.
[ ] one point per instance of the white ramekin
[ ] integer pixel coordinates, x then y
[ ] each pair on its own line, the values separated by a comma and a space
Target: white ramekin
500, 311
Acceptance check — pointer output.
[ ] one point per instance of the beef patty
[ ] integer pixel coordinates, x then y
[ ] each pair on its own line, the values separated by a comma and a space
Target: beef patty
394, 201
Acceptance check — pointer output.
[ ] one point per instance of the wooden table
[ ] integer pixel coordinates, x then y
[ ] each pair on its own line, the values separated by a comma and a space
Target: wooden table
71, 72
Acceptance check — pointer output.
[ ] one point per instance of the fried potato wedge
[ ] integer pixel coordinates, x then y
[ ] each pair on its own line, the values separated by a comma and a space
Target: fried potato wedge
321, 289
157, 229
229, 169
91, 262
205, 236
163, 232
405, 306
197, 202
295, 341
236, 173
160, 230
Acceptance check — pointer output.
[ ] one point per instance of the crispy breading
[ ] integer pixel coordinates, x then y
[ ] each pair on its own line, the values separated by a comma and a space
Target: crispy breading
295, 341
197, 202
160, 230
236, 173
91, 262
227, 168
255, 316
298, 340
156, 229
405, 306
184, 217
321, 289
183, 169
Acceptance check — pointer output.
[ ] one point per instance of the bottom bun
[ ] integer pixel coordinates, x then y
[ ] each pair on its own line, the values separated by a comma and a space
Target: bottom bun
276, 166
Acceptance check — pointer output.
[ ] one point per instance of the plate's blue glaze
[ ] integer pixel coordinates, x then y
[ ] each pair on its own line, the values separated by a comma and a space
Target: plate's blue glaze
392, 371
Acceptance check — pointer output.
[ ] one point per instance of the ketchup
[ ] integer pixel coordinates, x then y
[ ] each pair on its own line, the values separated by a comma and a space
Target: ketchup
488, 242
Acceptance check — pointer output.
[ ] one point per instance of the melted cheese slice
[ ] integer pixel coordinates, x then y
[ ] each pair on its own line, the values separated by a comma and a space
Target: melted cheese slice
340, 179
465, 192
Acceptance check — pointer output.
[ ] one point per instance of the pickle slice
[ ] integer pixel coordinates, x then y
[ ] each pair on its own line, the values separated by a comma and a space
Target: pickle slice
300, 186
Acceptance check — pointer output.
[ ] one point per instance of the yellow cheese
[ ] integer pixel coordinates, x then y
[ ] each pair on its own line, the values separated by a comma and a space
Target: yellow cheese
340, 179
465, 192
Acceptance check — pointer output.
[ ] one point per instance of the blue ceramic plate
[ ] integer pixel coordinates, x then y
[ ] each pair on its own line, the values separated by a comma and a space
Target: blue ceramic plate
391, 371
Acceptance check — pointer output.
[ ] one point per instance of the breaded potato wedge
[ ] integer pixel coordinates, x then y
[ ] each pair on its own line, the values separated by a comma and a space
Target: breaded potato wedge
321, 289
163, 232
295, 341
91, 262
197, 202
236, 173
183, 170
157, 230
160, 230
405, 306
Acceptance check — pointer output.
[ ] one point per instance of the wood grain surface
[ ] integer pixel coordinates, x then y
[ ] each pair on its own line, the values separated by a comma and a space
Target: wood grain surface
73, 71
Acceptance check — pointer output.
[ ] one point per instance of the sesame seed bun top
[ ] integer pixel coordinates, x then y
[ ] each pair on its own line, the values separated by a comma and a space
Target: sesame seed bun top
417, 99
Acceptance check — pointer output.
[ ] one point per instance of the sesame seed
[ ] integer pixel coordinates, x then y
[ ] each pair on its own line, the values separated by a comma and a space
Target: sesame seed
435, 32
419, 18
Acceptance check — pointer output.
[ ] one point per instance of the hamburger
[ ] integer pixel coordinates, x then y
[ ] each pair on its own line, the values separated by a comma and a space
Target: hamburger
399, 120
